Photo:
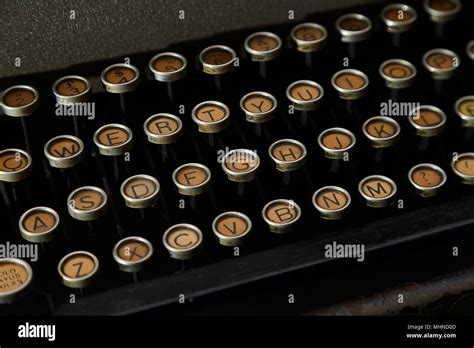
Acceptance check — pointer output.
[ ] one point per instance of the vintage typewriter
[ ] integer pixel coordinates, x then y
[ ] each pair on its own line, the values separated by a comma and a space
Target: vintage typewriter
282, 166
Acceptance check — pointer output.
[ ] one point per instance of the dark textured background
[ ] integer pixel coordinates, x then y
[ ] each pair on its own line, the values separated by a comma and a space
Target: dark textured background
42, 34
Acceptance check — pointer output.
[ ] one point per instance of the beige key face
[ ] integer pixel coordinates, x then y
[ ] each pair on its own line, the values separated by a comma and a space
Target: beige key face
281, 213
336, 140
162, 125
304, 92
353, 24
18, 97
120, 74
71, 87
398, 71
398, 15
133, 250
167, 63
466, 107
241, 162
86, 199
427, 118
11, 161
64, 148
465, 165
231, 225
113, 136
39, 221
381, 129
442, 5
78, 265
140, 188
349, 81
257, 103
377, 188
183, 238
263, 43
191, 176
426, 177
332, 199
12, 276
440, 60
308, 33
287, 152
217, 56
211, 113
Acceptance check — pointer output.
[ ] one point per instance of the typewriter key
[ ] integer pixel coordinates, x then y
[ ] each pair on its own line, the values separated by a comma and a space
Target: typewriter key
377, 190
15, 165
231, 228
182, 240
168, 66
288, 154
382, 131
120, 78
241, 165
442, 11
263, 46
258, 107
132, 253
16, 276
427, 179
281, 214
192, 179
353, 27
20, 100
87, 203
218, 59
470, 49
336, 142
71, 89
113, 139
398, 18
441, 63
78, 268
350, 83
309, 37
38, 224
140, 191
305, 95
163, 128
331, 202
463, 166
397, 73
464, 108
428, 120
211, 116
64, 151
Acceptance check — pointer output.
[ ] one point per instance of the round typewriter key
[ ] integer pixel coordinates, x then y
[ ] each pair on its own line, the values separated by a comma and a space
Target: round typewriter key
192, 179
15, 165
168, 66
71, 89
241, 165
78, 268
464, 108
288, 154
231, 228
377, 190
398, 18
263, 46
64, 151
441, 63
305, 95
16, 276
258, 106
382, 131
350, 83
163, 128
331, 202
281, 214
131, 253
353, 27
113, 139
427, 179
428, 120
20, 100
217, 59
38, 224
140, 191
442, 11
87, 203
336, 142
470, 49
120, 78
211, 116
397, 73
309, 37
182, 240
463, 167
